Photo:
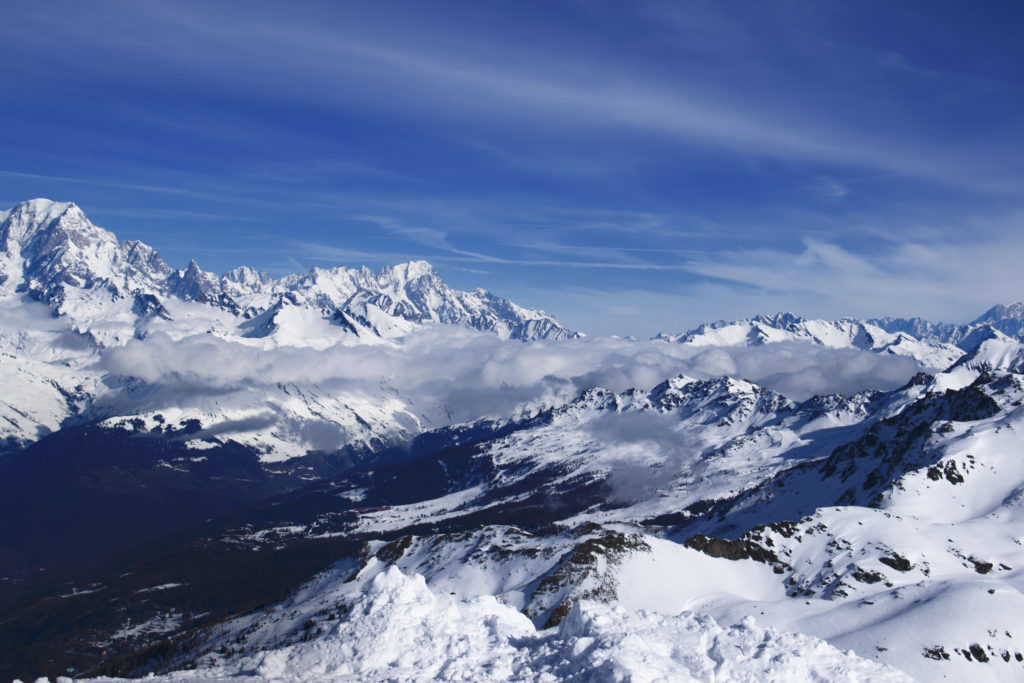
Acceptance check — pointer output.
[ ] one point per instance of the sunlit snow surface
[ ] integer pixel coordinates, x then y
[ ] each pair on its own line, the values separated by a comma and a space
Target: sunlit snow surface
399, 630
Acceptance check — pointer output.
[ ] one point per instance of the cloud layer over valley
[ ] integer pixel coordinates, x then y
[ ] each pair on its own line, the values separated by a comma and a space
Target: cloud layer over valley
466, 375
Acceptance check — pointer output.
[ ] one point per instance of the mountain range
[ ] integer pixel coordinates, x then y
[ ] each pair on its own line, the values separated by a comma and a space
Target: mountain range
52, 252
349, 475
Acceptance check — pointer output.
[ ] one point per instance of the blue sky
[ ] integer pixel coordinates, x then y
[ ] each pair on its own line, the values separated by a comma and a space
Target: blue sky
628, 167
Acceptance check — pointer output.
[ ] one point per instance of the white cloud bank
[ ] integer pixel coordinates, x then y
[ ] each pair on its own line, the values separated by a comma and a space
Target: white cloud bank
466, 375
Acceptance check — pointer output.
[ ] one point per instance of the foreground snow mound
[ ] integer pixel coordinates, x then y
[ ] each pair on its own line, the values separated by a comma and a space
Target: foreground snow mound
598, 642
399, 630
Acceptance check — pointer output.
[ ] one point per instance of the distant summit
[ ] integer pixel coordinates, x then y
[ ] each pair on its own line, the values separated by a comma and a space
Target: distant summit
845, 333
935, 345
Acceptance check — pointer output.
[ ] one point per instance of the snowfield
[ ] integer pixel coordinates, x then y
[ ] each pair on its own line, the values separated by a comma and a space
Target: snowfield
399, 630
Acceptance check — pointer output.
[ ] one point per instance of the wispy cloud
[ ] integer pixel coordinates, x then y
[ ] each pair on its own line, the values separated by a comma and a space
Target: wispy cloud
939, 280
116, 184
323, 58
827, 186
168, 214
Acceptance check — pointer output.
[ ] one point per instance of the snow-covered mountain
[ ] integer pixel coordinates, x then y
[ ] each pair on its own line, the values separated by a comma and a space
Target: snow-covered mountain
934, 345
52, 251
352, 475
104, 296
918, 340
125, 322
700, 512
1008, 319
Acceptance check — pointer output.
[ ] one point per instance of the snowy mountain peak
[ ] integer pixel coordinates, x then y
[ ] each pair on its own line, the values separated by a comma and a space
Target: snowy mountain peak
40, 210
406, 272
246, 275
673, 384
994, 351
142, 261
1007, 319
785, 320
192, 284
244, 280
49, 221
1014, 311
724, 398
48, 247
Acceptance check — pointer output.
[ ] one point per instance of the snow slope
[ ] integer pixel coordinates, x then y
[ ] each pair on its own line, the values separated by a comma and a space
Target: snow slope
887, 523
400, 630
